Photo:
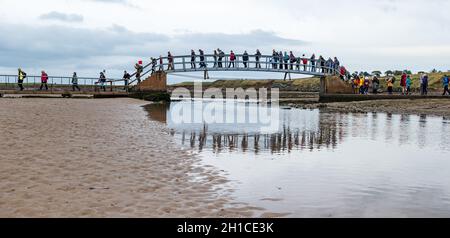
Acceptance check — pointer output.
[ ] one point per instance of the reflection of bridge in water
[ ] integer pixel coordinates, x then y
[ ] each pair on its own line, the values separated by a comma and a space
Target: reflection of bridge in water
327, 131
326, 134
285, 141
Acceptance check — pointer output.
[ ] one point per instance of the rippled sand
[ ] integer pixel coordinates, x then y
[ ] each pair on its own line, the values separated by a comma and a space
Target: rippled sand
100, 158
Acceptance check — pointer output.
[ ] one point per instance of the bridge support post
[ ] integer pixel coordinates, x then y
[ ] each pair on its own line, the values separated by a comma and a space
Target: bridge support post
323, 86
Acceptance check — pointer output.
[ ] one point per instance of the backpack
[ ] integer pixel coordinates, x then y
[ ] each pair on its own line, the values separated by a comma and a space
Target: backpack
24, 75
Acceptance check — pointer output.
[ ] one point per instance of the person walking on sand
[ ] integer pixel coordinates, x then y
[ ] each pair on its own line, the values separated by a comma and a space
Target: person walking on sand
390, 85
232, 59
75, 82
44, 80
257, 58
445, 82
21, 76
245, 58
403, 83
366, 85
126, 78
356, 80
424, 84
408, 85
361, 84
193, 56
375, 84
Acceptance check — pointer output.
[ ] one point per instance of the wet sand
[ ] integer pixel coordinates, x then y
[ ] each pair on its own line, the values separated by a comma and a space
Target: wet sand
101, 158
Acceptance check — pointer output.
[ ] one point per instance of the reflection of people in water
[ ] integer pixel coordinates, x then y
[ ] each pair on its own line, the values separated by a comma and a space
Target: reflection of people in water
327, 136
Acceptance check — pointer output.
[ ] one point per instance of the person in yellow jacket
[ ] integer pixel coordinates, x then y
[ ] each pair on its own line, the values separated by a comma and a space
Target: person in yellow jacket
361, 84
390, 85
21, 76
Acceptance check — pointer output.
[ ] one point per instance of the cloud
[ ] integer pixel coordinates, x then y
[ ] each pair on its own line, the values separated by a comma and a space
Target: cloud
119, 2
58, 16
115, 47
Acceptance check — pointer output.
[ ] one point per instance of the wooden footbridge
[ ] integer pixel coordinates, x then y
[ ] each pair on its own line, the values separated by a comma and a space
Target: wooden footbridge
152, 76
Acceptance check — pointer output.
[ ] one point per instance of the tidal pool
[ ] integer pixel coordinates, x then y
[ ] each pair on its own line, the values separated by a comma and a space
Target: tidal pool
315, 164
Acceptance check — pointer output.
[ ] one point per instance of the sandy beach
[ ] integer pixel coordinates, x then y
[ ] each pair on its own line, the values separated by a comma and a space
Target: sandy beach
101, 158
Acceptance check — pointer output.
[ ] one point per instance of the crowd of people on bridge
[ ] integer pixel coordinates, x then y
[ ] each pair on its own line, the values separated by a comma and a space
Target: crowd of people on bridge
276, 61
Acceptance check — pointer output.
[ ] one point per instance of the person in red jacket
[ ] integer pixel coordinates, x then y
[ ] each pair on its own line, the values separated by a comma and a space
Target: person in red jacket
44, 80
232, 59
403, 83
305, 62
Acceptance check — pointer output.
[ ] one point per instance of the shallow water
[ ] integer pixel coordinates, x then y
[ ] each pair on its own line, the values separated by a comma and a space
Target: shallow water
315, 164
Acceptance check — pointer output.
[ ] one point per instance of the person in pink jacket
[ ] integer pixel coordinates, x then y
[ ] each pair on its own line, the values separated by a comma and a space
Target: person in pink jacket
44, 80
232, 59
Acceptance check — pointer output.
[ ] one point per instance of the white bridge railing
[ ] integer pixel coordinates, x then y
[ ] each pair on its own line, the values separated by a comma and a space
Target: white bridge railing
263, 63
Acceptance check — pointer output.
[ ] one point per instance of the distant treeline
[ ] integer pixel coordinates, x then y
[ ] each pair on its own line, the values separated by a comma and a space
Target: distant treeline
395, 72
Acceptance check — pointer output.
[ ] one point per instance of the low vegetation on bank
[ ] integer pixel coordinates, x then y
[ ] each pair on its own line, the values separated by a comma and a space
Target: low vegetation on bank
309, 84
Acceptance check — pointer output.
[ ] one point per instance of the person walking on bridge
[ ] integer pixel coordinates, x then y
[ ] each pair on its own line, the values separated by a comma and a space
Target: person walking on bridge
75, 82
221, 56
321, 63
292, 60
202, 59
305, 62
193, 65
20, 78
232, 59
126, 79
171, 63
139, 70
329, 65
161, 63
44, 80
313, 63
275, 59
280, 58
245, 58
257, 58
286, 60
154, 63
102, 80
445, 82
216, 56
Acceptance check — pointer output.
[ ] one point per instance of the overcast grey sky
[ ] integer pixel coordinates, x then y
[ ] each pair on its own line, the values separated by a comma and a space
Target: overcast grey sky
62, 36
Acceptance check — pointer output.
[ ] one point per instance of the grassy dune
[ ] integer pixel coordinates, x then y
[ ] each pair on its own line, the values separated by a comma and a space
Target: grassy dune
308, 84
